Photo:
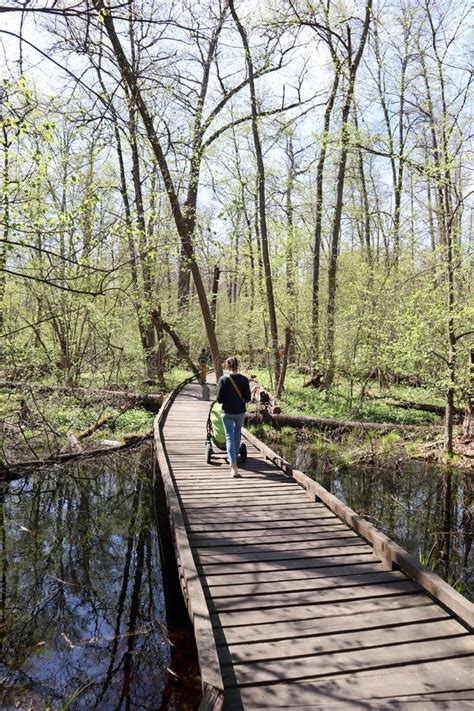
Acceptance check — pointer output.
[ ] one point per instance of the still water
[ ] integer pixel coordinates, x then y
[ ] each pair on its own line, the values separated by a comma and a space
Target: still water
82, 608
424, 508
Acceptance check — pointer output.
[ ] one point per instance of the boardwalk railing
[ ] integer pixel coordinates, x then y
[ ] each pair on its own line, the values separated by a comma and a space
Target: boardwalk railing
391, 553
212, 684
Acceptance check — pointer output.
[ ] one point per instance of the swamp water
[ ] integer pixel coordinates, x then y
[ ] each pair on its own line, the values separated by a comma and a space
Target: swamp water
82, 607
424, 508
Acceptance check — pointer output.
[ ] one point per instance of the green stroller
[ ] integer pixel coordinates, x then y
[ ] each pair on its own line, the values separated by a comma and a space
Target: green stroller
215, 434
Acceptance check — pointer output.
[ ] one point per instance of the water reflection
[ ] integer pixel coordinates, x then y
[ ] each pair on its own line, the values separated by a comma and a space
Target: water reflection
426, 509
82, 606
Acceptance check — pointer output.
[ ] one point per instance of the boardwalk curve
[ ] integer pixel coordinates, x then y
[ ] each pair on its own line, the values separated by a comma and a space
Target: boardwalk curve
296, 601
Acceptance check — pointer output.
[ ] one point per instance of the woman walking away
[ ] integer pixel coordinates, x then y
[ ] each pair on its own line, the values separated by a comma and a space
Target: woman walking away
233, 391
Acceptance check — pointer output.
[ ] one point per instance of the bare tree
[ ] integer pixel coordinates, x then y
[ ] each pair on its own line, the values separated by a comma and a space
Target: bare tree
445, 149
353, 61
262, 206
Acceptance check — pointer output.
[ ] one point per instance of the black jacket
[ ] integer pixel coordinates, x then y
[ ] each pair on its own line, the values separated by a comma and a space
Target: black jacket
227, 395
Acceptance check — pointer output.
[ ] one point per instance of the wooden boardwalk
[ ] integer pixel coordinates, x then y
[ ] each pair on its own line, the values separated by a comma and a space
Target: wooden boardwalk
291, 607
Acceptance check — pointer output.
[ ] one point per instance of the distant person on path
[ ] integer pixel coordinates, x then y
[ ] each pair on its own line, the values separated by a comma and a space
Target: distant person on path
203, 361
233, 391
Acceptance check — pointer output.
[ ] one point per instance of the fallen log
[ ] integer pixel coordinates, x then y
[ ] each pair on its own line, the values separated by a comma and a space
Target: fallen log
423, 406
17, 470
149, 401
322, 423
101, 422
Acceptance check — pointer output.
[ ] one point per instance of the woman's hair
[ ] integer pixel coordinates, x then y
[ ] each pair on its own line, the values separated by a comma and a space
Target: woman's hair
232, 364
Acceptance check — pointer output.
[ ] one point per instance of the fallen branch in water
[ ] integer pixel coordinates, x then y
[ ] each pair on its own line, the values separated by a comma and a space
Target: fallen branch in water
17, 470
75, 439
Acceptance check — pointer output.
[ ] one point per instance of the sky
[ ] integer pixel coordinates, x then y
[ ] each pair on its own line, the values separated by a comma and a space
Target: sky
50, 81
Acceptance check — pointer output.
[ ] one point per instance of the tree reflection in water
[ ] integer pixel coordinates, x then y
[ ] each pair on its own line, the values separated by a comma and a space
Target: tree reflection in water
82, 603
426, 509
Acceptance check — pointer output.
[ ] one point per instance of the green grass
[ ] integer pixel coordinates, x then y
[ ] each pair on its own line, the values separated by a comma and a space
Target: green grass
387, 441
175, 376
60, 413
297, 400
136, 420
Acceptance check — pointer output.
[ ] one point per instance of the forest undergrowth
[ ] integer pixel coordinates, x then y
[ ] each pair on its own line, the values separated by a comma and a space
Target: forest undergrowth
36, 424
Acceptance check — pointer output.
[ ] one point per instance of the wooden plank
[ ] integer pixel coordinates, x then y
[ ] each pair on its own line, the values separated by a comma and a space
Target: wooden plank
394, 615
218, 538
220, 474
250, 506
383, 689
234, 489
317, 596
259, 485
454, 701
297, 560
234, 498
246, 526
220, 468
272, 616
279, 551
271, 514
263, 503
293, 586
357, 566
343, 642
229, 544
321, 537
350, 661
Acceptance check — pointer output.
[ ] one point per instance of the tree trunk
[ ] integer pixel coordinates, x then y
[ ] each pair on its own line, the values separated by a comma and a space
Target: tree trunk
182, 348
398, 187
5, 221
322, 423
184, 281
341, 174
261, 197
290, 236
214, 291
315, 364
284, 363
366, 240
145, 327
468, 422
185, 223
147, 333
334, 248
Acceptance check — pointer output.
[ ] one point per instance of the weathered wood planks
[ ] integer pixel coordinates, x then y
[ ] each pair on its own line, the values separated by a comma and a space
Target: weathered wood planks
298, 591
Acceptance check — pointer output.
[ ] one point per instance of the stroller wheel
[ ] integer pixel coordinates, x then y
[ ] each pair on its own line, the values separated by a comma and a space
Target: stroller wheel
243, 453
208, 453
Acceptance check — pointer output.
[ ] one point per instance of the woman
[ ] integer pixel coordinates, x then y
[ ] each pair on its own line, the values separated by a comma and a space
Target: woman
233, 391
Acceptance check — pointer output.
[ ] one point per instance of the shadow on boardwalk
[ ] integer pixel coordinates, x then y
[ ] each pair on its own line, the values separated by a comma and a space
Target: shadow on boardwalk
303, 612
